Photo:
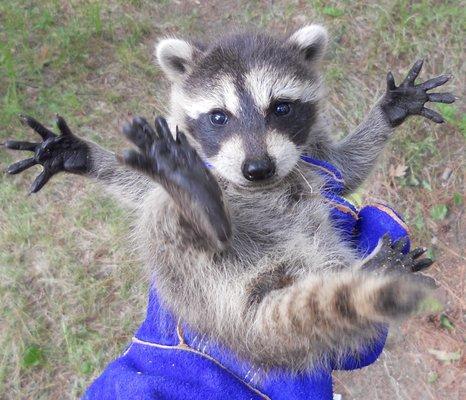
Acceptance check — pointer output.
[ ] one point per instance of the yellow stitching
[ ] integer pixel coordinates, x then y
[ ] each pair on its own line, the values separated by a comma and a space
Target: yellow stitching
187, 348
343, 208
179, 332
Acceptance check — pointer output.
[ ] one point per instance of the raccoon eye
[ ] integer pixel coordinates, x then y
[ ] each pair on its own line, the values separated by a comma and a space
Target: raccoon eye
218, 117
281, 109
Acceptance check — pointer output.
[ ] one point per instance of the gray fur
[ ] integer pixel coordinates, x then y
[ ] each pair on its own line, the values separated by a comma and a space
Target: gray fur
287, 291
295, 323
357, 153
126, 184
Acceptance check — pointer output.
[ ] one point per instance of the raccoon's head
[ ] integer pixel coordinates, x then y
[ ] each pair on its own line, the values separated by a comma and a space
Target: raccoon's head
248, 101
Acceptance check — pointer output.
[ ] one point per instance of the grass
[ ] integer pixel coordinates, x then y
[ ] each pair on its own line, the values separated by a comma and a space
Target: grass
71, 291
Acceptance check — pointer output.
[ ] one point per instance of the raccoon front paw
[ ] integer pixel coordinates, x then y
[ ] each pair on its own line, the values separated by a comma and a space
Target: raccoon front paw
56, 153
408, 99
175, 164
163, 156
388, 258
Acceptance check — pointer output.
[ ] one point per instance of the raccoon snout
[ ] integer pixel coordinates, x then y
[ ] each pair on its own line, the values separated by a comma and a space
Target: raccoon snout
258, 169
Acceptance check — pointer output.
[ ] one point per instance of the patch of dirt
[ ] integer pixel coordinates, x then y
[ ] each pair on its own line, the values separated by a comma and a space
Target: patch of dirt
407, 369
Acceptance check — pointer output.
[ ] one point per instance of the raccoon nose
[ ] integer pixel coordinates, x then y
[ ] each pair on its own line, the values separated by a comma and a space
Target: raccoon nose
259, 169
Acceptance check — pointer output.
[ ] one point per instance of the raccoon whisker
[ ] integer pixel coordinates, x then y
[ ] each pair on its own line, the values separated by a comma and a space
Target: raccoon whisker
297, 168
299, 131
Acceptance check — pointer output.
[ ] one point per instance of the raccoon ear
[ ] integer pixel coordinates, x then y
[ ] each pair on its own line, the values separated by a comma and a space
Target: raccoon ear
176, 57
311, 41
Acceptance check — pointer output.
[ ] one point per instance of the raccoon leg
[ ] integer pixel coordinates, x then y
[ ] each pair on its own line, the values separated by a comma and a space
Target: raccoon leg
174, 164
357, 153
68, 153
328, 314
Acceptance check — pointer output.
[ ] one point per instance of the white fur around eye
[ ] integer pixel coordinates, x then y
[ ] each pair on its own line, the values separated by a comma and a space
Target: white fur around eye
229, 95
266, 83
221, 95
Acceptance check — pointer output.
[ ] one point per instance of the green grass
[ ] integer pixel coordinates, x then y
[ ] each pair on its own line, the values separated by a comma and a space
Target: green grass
55, 308
71, 291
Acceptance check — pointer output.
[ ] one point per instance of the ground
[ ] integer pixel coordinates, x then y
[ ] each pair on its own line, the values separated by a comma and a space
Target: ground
71, 290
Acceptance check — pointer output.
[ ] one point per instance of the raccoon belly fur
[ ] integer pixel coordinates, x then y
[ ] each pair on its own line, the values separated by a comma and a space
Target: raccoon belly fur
282, 236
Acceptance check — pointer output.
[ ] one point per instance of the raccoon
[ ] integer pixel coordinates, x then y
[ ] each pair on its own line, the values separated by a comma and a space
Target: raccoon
234, 230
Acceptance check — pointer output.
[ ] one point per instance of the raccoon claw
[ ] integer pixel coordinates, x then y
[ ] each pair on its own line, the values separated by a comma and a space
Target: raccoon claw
140, 133
420, 265
40, 181
408, 98
390, 259
20, 166
175, 164
56, 153
419, 251
163, 130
